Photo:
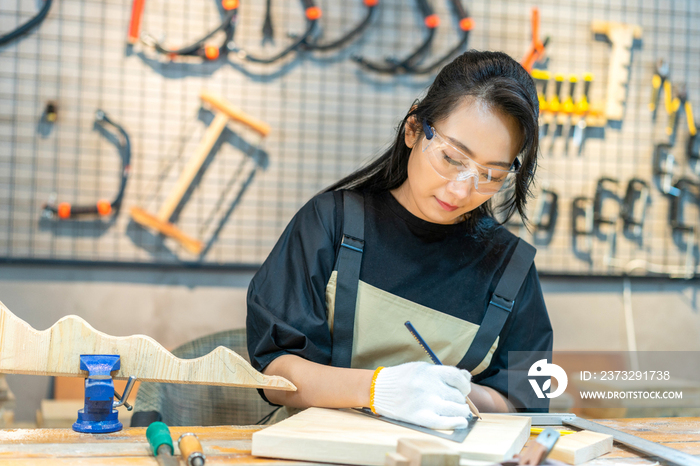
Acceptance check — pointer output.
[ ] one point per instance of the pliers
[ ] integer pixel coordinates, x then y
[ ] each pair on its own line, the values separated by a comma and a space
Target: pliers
680, 100
537, 47
657, 81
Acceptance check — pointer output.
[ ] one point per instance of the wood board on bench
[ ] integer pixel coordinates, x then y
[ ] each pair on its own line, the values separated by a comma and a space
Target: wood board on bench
342, 436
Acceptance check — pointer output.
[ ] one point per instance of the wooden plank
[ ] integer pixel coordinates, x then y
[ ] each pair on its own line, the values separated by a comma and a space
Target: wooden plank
112, 449
232, 444
129, 434
57, 351
426, 452
581, 447
146, 461
345, 437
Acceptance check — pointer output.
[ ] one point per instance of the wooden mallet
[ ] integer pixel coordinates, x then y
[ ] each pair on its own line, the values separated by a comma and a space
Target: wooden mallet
224, 112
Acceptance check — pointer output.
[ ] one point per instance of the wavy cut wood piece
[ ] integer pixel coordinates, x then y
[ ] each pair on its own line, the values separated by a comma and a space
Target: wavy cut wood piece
56, 351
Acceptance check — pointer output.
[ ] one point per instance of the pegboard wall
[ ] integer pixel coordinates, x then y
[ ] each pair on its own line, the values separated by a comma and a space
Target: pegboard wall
327, 117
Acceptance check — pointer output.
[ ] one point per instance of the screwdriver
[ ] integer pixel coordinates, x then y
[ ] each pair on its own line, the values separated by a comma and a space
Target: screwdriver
582, 107
555, 104
158, 436
191, 449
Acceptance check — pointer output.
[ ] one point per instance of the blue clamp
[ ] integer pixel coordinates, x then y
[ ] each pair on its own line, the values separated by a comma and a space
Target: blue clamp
99, 415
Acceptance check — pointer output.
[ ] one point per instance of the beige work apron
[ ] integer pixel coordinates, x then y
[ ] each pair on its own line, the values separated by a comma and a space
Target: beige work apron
380, 337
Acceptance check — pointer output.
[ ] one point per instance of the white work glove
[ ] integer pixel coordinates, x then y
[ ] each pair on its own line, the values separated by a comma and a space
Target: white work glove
424, 394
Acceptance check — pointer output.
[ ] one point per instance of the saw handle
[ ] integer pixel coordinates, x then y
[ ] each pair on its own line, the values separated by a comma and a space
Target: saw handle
234, 113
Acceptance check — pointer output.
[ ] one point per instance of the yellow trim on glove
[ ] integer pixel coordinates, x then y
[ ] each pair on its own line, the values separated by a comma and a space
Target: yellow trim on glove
371, 388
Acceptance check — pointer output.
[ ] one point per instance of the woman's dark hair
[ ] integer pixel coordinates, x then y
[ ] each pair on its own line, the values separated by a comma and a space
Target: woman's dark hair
492, 78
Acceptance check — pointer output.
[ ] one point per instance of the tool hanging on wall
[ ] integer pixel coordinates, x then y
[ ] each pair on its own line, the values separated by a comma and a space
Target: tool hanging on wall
679, 103
161, 222
51, 112
688, 192
268, 30
681, 222
464, 24
352, 34
536, 53
28, 26
582, 109
661, 73
204, 47
634, 205
663, 166
134, 32
622, 37
606, 189
692, 152
582, 224
546, 210
567, 110
103, 207
312, 14
394, 65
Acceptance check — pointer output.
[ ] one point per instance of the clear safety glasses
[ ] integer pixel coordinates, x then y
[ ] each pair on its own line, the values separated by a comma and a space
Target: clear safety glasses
454, 165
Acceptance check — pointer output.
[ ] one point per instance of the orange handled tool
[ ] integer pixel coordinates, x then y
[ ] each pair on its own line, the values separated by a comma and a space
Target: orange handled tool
537, 47
135, 23
191, 449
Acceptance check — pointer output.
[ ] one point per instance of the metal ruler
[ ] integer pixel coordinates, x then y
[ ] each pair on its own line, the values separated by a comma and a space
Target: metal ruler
636, 443
457, 435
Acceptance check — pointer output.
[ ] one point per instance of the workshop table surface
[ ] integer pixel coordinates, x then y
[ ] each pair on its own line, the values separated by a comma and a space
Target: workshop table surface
232, 444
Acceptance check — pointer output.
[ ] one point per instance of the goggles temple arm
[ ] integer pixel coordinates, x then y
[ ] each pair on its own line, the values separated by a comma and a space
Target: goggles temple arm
427, 130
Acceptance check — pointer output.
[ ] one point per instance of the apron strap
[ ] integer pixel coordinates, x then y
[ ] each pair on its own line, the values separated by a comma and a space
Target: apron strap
500, 305
348, 267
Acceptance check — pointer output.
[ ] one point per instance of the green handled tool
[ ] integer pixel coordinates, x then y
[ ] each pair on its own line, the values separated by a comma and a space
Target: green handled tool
158, 436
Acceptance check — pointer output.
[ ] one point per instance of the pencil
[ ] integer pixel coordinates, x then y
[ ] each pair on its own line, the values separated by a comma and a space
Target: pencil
538, 430
433, 357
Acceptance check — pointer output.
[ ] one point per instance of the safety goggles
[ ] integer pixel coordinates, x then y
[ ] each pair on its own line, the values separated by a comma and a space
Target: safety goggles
454, 165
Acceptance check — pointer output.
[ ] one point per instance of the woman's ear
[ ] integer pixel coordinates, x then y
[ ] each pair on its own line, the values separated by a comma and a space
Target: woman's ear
412, 131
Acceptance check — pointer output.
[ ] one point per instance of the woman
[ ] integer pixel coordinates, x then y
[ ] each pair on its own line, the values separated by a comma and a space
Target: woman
429, 251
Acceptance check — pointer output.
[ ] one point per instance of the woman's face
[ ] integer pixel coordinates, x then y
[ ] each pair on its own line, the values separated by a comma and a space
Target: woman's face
489, 137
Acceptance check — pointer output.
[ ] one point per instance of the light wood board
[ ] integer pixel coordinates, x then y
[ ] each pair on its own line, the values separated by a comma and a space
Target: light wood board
342, 436
581, 447
57, 351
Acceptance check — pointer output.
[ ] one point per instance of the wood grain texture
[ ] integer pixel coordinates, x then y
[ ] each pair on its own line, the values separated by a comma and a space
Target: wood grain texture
232, 445
342, 436
423, 452
57, 351
581, 447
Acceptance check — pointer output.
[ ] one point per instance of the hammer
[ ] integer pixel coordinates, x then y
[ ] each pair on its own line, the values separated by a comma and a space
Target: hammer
160, 222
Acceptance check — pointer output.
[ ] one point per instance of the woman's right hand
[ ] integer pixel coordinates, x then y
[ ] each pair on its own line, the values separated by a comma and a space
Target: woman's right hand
424, 394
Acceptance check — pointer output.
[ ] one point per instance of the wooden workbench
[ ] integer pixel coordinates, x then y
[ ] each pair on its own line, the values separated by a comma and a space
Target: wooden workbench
231, 444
